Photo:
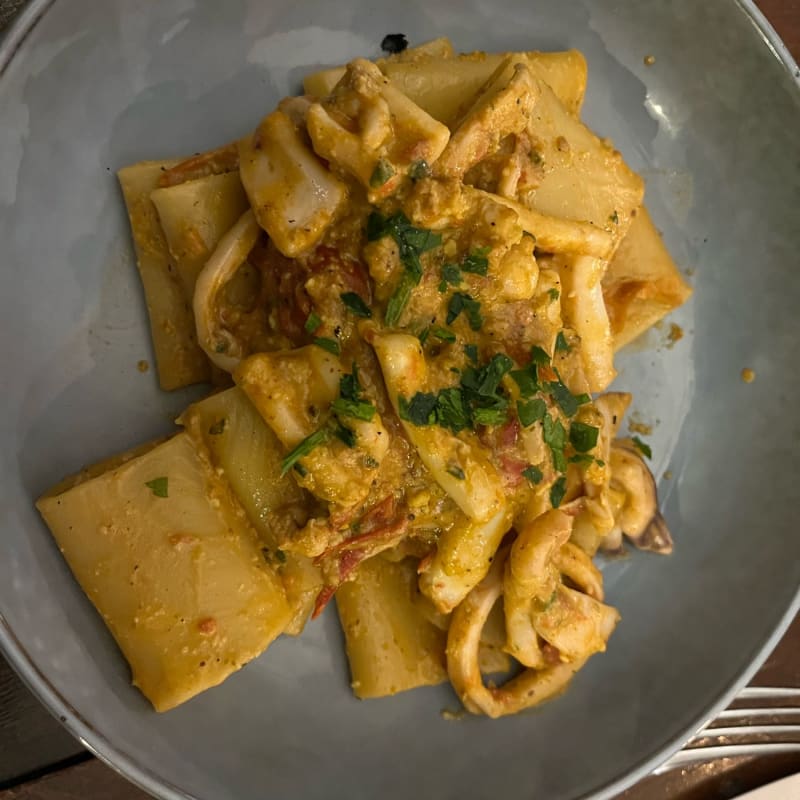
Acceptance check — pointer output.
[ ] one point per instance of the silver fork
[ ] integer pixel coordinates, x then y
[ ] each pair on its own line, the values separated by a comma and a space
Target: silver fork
764, 721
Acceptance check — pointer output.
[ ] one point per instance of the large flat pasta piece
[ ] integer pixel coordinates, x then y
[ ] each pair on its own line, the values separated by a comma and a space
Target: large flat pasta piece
642, 283
179, 359
391, 644
247, 454
584, 178
445, 87
194, 216
173, 567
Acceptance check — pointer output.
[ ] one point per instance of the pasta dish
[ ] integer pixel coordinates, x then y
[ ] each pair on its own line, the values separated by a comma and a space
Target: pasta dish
406, 288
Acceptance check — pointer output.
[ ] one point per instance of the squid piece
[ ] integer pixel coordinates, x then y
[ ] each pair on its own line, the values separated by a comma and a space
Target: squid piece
638, 518
370, 130
463, 646
294, 197
585, 311
555, 234
219, 344
462, 559
502, 108
531, 577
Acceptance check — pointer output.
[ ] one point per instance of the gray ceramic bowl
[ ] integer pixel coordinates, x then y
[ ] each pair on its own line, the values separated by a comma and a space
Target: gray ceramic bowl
86, 87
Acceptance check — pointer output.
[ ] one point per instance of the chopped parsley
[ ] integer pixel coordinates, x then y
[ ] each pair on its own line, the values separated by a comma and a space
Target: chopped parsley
557, 491
555, 437
582, 458
420, 410
312, 322
642, 447
456, 472
412, 243
345, 434
308, 444
355, 304
527, 379
471, 351
159, 486
533, 474
451, 276
554, 294
331, 345
562, 345
583, 437
462, 302
444, 334
381, 174
477, 262
530, 411
539, 356
350, 402
615, 217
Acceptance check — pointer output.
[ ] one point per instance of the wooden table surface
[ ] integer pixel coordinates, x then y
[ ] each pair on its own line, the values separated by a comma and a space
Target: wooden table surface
39, 760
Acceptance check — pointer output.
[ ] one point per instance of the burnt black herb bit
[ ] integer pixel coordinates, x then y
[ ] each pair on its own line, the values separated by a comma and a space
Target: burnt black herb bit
394, 43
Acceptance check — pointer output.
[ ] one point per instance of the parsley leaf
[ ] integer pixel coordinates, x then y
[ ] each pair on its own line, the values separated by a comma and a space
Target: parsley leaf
456, 472
564, 397
304, 448
642, 447
312, 322
557, 491
358, 409
420, 410
451, 410
583, 437
460, 301
471, 351
444, 334
562, 345
451, 276
533, 474
355, 304
539, 356
555, 437
345, 434
554, 294
495, 414
582, 458
399, 299
530, 411
382, 172
527, 379
159, 486
476, 262
349, 385
331, 345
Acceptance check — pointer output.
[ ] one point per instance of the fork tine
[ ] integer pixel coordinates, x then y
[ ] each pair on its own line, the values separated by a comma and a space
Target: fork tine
697, 754
767, 693
762, 711
747, 730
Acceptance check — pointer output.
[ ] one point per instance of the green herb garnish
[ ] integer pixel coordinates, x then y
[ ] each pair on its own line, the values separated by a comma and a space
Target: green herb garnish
583, 437
382, 172
555, 437
562, 345
456, 472
331, 345
452, 411
615, 217
564, 398
642, 447
527, 379
358, 409
159, 486
312, 322
476, 262
444, 334
451, 276
345, 434
539, 356
557, 491
420, 410
471, 351
461, 301
530, 411
304, 448
533, 474
554, 294
356, 305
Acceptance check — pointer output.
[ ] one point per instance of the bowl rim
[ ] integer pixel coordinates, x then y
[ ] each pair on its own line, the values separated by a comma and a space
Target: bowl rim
147, 779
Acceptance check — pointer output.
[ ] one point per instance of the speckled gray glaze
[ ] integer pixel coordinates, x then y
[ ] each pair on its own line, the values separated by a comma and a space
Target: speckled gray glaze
714, 127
